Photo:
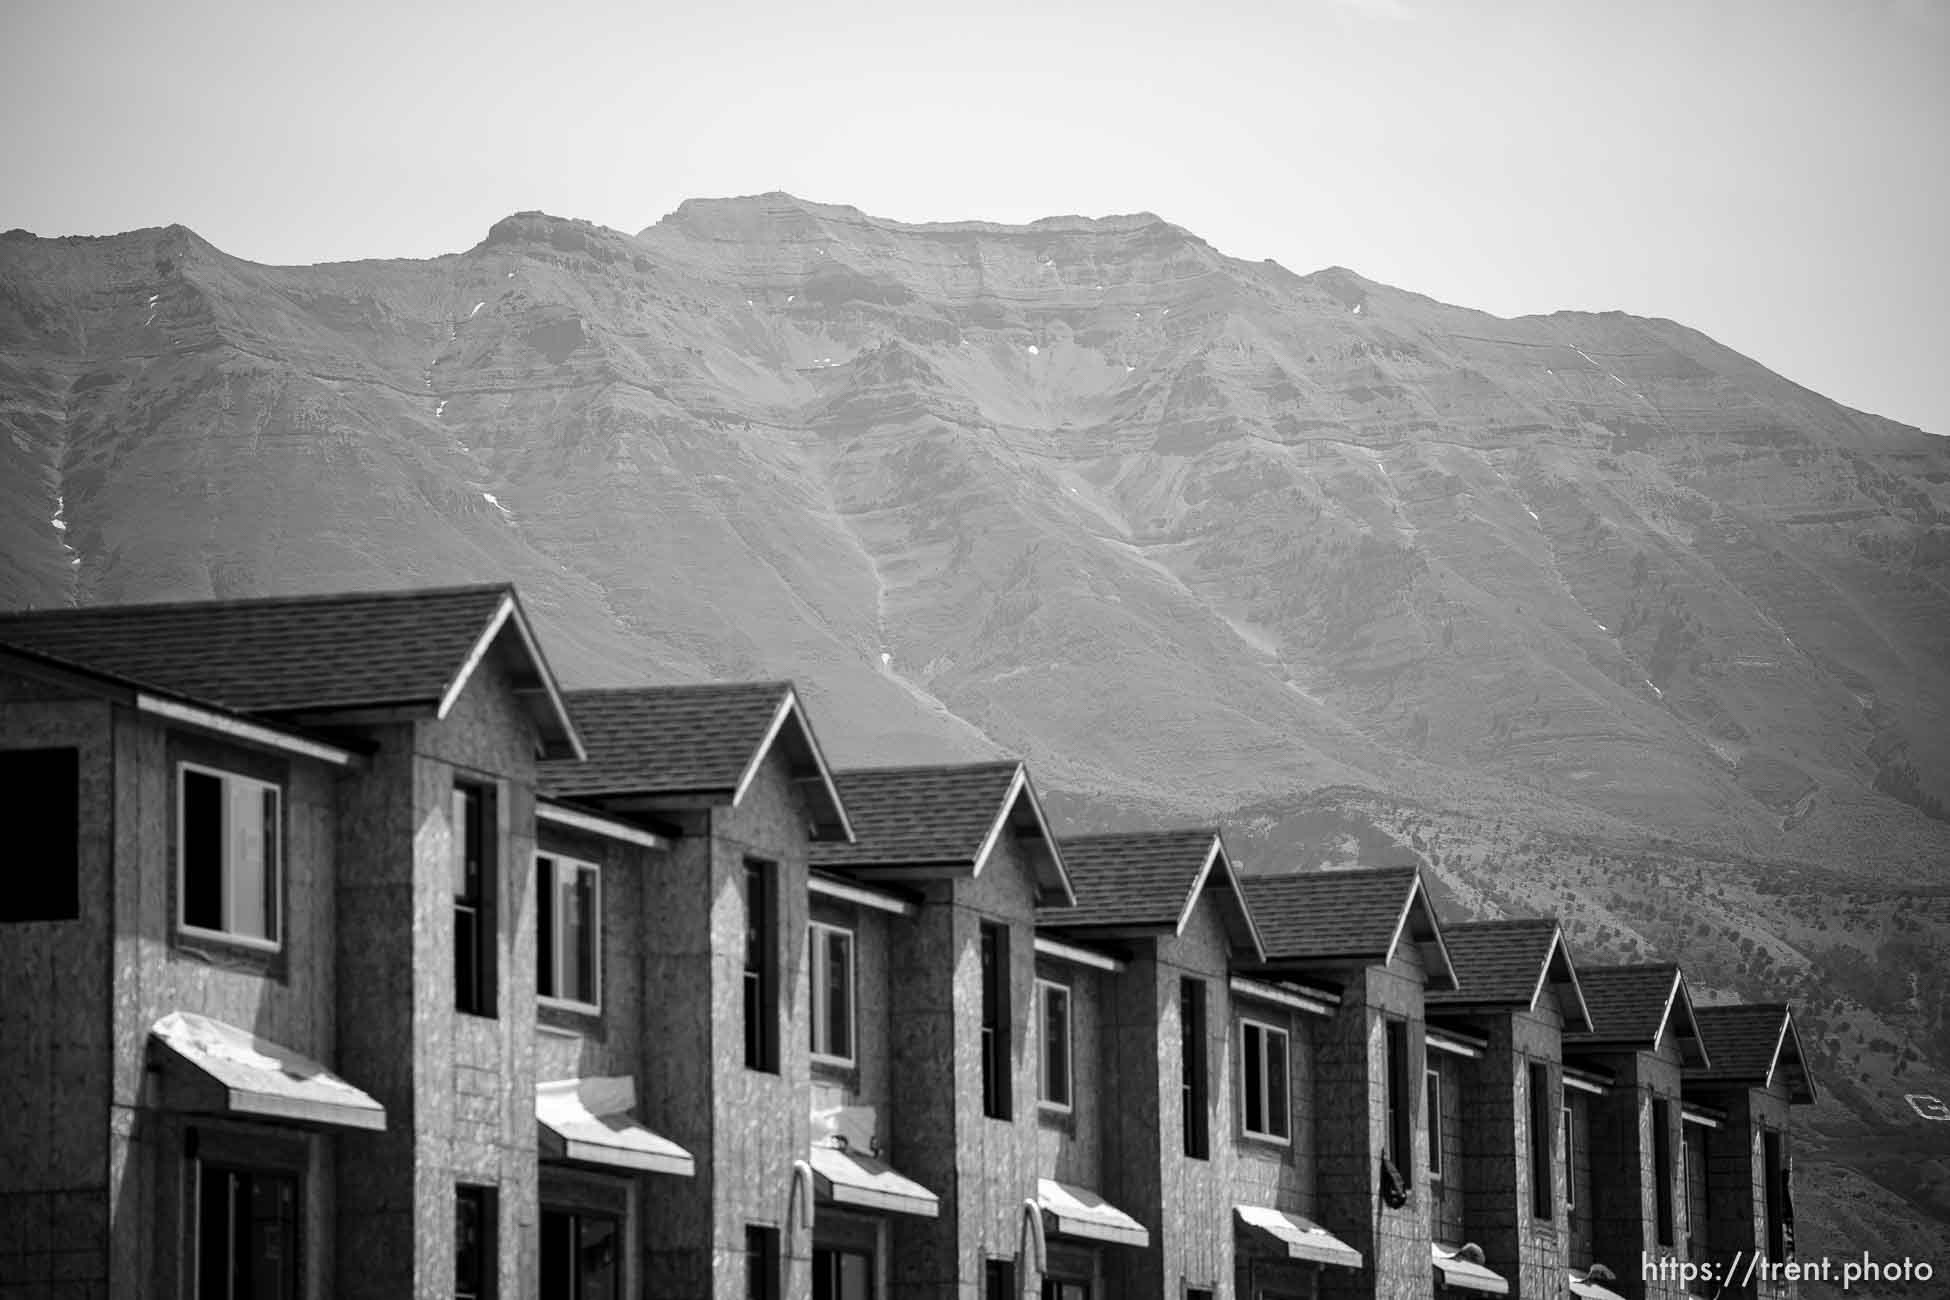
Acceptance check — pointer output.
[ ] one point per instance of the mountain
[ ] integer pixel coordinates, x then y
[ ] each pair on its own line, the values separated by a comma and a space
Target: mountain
1585, 612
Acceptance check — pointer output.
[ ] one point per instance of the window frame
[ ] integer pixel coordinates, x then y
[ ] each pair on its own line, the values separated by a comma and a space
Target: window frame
202, 1168
1194, 1068
821, 935
1543, 1158
1398, 1065
1266, 1030
760, 886
478, 910
274, 834
1066, 1104
1570, 1125
550, 879
1665, 1220
998, 1087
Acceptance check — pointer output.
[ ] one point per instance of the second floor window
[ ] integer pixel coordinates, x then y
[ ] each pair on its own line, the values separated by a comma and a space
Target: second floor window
1401, 1118
229, 855
995, 1022
473, 821
568, 954
1570, 1157
1263, 1061
1544, 1106
1662, 1167
761, 967
1774, 1192
832, 993
1056, 1092
1193, 1097
1432, 1080
41, 792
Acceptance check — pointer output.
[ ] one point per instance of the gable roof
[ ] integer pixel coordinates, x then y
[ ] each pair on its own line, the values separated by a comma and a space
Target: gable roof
1150, 879
1753, 1044
1322, 918
1506, 963
928, 820
1635, 1006
704, 742
309, 659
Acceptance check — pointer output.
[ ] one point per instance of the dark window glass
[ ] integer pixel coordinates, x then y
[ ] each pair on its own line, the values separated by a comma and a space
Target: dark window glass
246, 1234
473, 830
42, 792
1061, 1288
474, 1254
1774, 1188
1056, 1043
761, 968
999, 1280
842, 1274
1194, 1098
581, 1256
1401, 1133
995, 1022
202, 850
1693, 1140
1543, 1124
762, 1263
1662, 1167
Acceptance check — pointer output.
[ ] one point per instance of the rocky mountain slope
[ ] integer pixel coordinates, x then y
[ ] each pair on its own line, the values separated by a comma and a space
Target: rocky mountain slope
1194, 534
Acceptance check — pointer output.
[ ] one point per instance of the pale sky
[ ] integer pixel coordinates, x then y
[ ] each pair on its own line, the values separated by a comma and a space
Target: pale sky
1773, 172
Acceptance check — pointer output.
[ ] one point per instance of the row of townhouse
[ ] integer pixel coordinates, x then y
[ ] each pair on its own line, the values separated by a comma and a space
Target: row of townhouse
342, 953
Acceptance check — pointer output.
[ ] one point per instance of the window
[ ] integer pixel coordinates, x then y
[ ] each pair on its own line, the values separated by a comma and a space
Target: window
43, 817
1065, 1288
1662, 1166
995, 1022
1198, 1293
1543, 1167
1056, 1091
247, 1244
761, 968
1693, 1139
842, 1274
474, 1235
1570, 1160
761, 1263
569, 912
1263, 1056
999, 1280
1773, 1189
832, 993
1401, 1132
582, 1255
228, 854
1191, 1068
474, 828
1432, 1080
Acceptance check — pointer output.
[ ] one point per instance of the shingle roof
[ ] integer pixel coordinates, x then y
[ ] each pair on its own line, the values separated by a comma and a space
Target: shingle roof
919, 816
276, 655
1628, 1003
1319, 914
666, 739
1742, 1040
1140, 878
1504, 961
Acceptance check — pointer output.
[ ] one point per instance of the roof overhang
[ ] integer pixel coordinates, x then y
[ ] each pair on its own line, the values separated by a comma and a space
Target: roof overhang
846, 891
1454, 1042
588, 1121
1679, 1021
1455, 1271
810, 770
1295, 1237
1078, 1212
1315, 1002
534, 681
1228, 882
221, 1069
610, 828
1057, 950
853, 1181
1789, 1058
1586, 1081
1022, 811
234, 727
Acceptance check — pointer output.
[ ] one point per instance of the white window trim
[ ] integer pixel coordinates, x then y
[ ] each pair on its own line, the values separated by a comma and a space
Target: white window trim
1043, 988
1432, 1081
820, 1011
595, 934
1266, 1029
275, 885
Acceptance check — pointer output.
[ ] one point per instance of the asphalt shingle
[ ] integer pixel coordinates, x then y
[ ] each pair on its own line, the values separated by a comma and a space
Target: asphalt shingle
1321, 914
1498, 963
1141, 878
665, 739
1740, 1040
915, 816
1628, 1003
277, 655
